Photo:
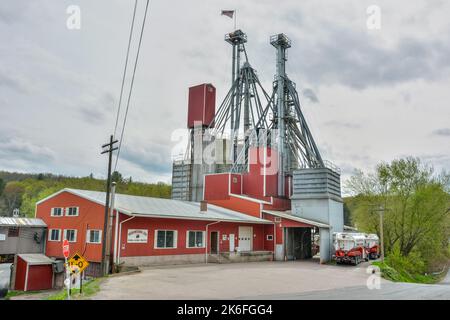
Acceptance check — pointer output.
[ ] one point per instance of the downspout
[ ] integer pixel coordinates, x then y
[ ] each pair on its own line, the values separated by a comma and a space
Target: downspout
274, 240
116, 239
120, 237
206, 240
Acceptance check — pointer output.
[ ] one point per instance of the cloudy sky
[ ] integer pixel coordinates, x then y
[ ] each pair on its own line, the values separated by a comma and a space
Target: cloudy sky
368, 95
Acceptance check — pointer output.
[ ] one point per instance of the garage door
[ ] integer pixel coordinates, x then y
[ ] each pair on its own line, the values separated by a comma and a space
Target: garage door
245, 238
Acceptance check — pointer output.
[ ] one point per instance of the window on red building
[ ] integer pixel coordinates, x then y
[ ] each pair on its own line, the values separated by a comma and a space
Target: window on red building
72, 211
56, 212
166, 239
94, 236
195, 239
70, 235
54, 235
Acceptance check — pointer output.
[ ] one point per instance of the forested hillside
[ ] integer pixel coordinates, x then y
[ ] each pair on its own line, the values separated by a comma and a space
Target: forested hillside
18, 190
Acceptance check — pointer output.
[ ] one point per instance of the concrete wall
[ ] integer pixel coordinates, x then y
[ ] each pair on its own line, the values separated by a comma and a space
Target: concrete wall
254, 256
163, 260
24, 243
317, 197
325, 245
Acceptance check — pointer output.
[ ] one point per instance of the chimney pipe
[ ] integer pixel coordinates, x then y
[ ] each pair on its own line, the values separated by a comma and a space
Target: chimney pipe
203, 206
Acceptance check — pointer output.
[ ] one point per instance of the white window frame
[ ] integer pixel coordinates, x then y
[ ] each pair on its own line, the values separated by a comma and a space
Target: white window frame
52, 212
175, 239
75, 236
72, 215
50, 235
269, 235
88, 236
187, 239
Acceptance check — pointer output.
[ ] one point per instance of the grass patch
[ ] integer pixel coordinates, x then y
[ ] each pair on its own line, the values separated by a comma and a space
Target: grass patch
89, 289
398, 274
13, 293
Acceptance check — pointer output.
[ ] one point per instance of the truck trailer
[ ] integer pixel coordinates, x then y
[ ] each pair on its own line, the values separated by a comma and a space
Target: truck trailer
353, 247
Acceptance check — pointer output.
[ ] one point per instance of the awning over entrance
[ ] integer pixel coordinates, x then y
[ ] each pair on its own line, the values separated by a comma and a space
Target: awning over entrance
288, 215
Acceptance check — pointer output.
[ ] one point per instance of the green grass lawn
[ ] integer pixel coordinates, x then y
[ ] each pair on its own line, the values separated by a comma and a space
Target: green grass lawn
89, 289
396, 275
13, 293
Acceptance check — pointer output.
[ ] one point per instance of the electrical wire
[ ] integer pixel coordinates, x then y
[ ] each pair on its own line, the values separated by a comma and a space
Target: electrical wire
126, 66
131, 85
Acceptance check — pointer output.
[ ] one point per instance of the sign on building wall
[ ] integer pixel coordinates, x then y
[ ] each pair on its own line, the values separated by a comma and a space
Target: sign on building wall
2, 237
137, 235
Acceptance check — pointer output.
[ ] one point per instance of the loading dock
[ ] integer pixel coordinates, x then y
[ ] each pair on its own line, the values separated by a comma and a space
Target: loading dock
298, 242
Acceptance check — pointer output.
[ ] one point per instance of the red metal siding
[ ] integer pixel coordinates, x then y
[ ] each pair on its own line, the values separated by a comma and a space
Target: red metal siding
201, 105
238, 204
40, 277
21, 272
182, 227
236, 184
217, 186
91, 216
278, 204
269, 244
283, 223
254, 180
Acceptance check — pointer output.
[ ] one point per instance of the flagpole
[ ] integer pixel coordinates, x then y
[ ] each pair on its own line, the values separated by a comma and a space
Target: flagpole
235, 14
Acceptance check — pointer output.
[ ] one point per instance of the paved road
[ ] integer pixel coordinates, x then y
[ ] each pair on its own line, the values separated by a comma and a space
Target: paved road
263, 280
233, 281
5, 273
387, 291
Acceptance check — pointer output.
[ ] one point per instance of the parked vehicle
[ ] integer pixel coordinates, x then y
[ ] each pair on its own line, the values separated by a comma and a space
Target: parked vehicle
349, 247
372, 246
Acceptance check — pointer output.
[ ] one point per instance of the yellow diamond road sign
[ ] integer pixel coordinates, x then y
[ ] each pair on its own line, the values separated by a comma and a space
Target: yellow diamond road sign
77, 263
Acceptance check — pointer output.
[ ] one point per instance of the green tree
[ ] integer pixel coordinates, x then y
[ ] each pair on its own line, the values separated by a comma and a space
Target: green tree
2, 186
416, 202
12, 195
116, 176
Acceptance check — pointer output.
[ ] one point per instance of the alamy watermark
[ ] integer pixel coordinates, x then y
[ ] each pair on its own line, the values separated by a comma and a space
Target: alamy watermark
73, 21
374, 280
373, 21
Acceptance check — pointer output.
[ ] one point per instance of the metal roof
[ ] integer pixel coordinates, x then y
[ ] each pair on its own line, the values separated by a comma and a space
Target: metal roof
166, 208
35, 258
288, 215
21, 222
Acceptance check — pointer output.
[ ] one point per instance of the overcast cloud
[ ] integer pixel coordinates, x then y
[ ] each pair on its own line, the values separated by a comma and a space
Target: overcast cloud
368, 95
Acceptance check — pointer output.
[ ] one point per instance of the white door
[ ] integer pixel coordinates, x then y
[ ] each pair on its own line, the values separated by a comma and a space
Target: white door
245, 238
231, 239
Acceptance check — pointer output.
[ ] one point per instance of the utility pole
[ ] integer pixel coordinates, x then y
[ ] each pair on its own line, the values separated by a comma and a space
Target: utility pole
108, 148
108, 260
381, 210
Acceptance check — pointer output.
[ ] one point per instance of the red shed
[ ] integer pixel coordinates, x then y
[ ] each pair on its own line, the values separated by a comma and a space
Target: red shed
34, 271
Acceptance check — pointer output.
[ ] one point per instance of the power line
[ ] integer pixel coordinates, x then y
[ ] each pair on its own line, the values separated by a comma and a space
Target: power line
131, 85
125, 68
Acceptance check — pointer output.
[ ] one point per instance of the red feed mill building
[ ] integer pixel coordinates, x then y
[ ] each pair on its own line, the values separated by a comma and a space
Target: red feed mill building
252, 186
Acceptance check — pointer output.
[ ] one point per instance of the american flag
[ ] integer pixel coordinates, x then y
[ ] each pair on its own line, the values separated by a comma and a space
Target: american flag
228, 13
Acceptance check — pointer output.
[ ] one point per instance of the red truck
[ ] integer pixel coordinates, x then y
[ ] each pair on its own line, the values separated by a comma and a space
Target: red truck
349, 247
372, 246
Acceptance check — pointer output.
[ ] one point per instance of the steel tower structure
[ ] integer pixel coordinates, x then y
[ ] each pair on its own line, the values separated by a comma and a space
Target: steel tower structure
294, 142
246, 117
246, 105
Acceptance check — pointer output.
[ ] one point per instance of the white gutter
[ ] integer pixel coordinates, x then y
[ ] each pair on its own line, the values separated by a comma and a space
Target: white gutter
116, 235
206, 240
120, 237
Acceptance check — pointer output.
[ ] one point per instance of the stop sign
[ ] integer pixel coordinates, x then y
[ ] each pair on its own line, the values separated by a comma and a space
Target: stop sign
66, 248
